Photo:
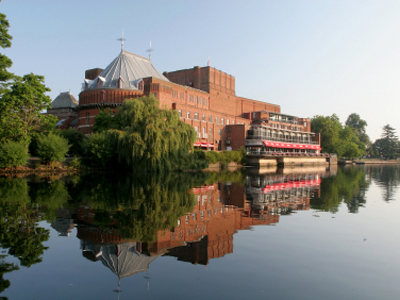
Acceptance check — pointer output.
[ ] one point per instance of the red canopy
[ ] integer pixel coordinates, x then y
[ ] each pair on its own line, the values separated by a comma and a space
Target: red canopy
208, 145
291, 145
291, 184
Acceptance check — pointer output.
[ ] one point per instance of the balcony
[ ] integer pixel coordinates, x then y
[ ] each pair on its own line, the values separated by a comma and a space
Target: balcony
281, 139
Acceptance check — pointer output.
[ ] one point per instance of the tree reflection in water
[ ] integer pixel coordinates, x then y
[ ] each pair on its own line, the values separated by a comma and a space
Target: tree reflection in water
126, 221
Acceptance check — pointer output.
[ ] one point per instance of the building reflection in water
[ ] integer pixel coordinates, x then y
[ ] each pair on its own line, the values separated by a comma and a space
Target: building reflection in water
207, 232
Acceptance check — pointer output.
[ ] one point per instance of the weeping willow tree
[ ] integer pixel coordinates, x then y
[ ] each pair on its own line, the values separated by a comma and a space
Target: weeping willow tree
149, 138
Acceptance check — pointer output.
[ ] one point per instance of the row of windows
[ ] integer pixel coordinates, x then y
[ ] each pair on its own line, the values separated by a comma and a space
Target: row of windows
210, 119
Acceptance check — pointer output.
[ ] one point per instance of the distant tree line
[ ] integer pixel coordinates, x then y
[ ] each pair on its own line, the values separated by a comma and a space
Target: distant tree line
350, 139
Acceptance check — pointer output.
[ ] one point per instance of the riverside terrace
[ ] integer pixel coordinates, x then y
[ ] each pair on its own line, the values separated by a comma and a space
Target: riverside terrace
270, 145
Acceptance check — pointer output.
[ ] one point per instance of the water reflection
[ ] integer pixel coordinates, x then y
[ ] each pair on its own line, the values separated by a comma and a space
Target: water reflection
126, 222
387, 177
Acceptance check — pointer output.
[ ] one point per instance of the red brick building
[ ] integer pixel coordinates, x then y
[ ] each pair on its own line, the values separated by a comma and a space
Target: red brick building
204, 97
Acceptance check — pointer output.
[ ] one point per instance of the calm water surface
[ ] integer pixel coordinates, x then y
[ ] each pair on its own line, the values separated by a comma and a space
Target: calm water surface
282, 234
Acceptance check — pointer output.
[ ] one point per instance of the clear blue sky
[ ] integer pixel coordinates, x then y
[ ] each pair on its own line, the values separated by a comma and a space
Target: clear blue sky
311, 57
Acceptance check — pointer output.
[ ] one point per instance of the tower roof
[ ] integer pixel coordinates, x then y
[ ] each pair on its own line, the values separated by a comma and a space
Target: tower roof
64, 100
128, 68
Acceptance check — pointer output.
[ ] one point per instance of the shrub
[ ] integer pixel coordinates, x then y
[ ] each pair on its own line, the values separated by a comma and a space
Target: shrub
98, 149
75, 139
212, 157
75, 163
52, 148
13, 154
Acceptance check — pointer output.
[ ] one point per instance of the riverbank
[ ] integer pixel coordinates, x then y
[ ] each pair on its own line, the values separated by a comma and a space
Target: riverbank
368, 162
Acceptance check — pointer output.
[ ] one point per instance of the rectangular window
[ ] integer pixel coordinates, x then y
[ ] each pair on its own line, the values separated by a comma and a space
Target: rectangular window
87, 120
219, 132
180, 113
174, 94
196, 116
182, 96
227, 121
209, 118
188, 115
216, 120
222, 121
233, 122
204, 117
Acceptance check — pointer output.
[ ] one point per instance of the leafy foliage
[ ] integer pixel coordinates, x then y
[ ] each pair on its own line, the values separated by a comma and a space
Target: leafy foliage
99, 150
337, 139
388, 146
21, 107
105, 120
52, 148
13, 154
149, 138
75, 139
5, 62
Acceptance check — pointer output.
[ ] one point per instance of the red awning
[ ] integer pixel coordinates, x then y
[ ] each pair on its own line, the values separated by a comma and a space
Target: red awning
197, 144
208, 145
291, 145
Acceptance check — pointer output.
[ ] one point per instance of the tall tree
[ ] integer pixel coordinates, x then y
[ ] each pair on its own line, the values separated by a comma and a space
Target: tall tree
335, 138
150, 138
20, 109
388, 145
359, 125
5, 62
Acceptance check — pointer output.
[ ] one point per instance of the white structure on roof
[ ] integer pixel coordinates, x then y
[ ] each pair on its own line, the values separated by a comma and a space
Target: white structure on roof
126, 71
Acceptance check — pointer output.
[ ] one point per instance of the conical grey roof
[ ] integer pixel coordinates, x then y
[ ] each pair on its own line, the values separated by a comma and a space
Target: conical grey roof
127, 67
64, 100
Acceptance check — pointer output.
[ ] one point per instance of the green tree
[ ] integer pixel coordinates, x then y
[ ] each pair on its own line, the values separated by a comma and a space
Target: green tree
388, 145
5, 62
52, 148
336, 138
105, 120
99, 150
359, 125
21, 107
13, 154
76, 139
150, 138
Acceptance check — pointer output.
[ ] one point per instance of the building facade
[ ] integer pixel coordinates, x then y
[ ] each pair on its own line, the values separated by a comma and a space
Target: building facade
204, 97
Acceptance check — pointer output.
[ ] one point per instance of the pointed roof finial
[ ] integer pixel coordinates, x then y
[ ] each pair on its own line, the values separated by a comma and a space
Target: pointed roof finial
122, 40
150, 50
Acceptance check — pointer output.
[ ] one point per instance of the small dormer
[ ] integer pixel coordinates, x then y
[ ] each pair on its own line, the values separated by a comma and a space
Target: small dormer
140, 84
100, 81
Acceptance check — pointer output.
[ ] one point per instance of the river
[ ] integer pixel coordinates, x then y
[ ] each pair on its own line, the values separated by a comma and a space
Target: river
279, 234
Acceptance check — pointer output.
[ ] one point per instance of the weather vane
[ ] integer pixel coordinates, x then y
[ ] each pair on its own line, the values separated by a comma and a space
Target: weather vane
150, 50
122, 40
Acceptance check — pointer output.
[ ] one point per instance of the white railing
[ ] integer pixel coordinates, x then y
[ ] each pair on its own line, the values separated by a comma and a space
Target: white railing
278, 153
280, 139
